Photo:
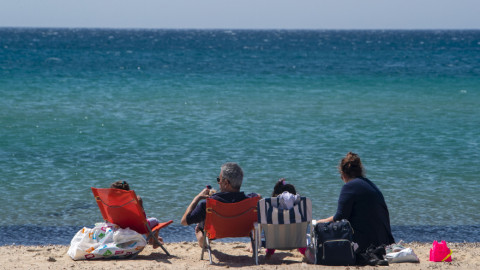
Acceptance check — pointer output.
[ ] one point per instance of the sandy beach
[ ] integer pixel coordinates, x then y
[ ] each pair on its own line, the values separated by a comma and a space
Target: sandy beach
186, 255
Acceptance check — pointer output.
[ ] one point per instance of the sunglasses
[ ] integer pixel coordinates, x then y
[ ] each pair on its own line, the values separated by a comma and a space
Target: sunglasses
218, 180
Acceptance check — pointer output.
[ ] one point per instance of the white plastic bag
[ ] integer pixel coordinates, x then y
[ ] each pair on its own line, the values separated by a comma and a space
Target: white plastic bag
105, 240
404, 255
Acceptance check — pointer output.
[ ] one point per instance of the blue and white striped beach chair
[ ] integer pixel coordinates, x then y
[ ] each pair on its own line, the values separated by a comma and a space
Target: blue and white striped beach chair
283, 229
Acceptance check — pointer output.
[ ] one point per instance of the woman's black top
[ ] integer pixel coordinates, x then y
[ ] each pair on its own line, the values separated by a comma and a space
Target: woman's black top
362, 203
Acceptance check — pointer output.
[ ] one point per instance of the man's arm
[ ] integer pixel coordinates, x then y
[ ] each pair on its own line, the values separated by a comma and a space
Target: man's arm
202, 195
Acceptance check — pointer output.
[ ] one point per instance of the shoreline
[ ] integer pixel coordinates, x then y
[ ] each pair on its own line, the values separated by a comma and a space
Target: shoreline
186, 255
38, 235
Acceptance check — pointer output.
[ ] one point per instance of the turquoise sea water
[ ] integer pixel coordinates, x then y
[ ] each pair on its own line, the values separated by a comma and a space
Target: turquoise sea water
163, 109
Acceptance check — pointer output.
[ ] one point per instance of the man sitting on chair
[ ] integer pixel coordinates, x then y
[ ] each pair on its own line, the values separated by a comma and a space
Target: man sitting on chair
229, 181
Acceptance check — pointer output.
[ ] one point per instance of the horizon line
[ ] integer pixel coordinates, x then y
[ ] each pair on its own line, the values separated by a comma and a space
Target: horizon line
239, 29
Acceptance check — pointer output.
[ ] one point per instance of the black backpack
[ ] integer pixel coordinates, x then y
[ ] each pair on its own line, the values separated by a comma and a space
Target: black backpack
334, 243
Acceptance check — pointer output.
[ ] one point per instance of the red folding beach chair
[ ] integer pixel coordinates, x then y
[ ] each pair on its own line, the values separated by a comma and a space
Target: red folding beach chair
121, 207
225, 220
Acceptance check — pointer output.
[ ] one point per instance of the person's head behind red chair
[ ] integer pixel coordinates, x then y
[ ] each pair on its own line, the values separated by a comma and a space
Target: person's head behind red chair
121, 184
230, 178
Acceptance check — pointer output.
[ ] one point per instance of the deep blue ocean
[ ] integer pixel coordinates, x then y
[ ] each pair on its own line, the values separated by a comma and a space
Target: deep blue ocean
163, 109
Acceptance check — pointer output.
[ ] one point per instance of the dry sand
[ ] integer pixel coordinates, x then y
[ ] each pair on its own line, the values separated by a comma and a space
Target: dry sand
186, 255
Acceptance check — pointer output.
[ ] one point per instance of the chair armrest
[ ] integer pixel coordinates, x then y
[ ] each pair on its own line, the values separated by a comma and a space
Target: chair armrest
161, 225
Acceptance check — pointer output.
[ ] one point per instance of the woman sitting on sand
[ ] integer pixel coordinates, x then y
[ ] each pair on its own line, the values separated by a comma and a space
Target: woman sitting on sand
363, 205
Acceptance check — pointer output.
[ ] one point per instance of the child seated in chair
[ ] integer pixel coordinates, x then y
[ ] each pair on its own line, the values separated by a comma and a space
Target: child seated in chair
288, 198
152, 222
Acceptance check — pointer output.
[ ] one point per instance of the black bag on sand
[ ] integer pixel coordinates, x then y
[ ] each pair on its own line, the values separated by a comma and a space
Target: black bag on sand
334, 241
373, 256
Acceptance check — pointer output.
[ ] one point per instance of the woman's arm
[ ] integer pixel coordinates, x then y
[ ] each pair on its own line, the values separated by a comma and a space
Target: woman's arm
325, 220
140, 201
345, 205
345, 202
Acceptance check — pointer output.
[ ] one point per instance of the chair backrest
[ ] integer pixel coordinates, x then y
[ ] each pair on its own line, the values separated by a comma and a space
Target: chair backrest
230, 219
121, 207
284, 229
269, 213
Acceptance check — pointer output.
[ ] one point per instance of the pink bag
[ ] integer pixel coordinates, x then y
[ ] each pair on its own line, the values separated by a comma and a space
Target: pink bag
440, 252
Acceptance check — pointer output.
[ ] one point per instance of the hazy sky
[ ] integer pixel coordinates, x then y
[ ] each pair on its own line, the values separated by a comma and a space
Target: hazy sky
245, 14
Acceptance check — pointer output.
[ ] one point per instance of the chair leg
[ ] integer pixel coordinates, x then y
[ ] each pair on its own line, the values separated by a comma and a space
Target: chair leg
151, 235
209, 250
164, 249
314, 242
254, 247
257, 233
203, 248
206, 245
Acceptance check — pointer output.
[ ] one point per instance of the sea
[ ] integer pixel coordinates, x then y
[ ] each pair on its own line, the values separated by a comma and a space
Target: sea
164, 109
